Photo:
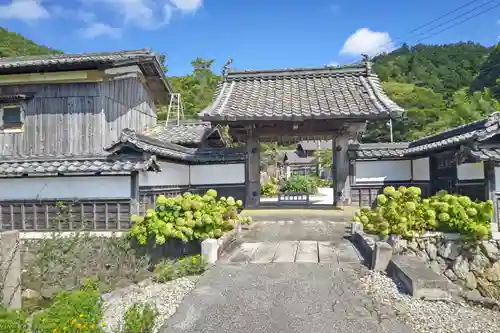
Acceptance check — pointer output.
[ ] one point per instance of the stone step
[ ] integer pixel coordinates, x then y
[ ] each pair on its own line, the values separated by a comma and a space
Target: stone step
419, 279
291, 252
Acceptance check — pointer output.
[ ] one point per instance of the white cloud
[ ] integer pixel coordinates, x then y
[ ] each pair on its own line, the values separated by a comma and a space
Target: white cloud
333, 64
72, 14
365, 41
24, 10
187, 5
148, 14
97, 29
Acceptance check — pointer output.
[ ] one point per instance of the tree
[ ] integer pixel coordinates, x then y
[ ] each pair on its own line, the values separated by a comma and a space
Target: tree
196, 89
324, 157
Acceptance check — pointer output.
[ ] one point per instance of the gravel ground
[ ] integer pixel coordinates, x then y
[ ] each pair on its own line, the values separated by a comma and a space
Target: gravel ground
165, 296
428, 316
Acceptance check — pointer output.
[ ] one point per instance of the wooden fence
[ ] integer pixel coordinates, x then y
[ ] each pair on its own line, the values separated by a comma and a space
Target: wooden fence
65, 215
95, 215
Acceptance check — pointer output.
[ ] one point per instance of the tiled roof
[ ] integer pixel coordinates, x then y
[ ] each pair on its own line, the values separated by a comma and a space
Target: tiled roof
146, 59
73, 59
130, 138
299, 94
44, 166
486, 153
294, 158
476, 131
314, 145
378, 150
192, 132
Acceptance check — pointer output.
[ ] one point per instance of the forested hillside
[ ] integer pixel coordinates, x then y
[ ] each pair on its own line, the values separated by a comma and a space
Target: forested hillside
441, 86
13, 44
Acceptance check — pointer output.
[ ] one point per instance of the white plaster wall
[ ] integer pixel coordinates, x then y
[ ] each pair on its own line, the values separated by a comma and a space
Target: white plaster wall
421, 169
218, 174
84, 187
469, 171
379, 171
171, 174
497, 179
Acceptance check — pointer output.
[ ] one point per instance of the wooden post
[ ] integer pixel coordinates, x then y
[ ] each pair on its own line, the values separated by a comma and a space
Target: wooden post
134, 193
340, 170
490, 191
252, 167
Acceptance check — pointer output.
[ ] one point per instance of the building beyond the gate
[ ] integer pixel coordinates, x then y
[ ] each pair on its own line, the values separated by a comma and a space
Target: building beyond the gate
464, 160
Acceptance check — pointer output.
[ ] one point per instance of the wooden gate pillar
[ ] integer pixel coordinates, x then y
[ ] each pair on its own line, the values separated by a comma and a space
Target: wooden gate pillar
342, 191
252, 168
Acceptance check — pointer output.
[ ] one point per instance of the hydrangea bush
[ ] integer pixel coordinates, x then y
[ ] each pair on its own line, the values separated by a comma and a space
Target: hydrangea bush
187, 217
402, 212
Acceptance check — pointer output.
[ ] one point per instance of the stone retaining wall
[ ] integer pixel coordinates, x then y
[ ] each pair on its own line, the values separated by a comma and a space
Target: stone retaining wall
475, 267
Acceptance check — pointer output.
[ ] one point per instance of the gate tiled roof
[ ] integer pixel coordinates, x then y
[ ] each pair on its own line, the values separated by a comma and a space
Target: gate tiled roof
300, 94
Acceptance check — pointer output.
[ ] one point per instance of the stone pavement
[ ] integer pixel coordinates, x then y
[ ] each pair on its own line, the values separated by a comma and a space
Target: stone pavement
258, 294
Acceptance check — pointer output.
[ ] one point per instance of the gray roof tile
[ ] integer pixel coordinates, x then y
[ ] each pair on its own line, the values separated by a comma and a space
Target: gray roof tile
65, 59
486, 154
293, 157
378, 150
314, 145
298, 94
477, 131
40, 166
174, 151
192, 132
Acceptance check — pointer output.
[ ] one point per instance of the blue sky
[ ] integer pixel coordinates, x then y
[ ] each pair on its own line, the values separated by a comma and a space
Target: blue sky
255, 33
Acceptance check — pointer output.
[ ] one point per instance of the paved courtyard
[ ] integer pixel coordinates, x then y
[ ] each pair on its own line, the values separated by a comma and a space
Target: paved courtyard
285, 276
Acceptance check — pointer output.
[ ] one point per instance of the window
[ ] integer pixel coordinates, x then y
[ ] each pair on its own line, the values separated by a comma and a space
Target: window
12, 117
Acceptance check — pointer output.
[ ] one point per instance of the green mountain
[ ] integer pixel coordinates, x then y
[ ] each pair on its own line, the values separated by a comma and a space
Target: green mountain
13, 44
440, 86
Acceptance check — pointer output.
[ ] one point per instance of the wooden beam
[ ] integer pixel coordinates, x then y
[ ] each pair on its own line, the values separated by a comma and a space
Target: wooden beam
53, 77
252, 168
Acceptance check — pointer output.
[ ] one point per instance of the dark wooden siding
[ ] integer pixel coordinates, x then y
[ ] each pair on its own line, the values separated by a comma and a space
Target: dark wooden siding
77, 118
127, 104
365, 195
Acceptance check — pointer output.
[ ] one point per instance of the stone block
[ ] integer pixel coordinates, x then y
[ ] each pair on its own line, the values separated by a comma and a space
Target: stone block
210, 250
356, 227
419, 280
382, 254
10, 269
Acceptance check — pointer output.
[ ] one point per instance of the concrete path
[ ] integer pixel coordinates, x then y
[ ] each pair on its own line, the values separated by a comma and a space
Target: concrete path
297, 277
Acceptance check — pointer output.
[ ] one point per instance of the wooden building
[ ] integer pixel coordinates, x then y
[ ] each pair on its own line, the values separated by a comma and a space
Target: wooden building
463, 160
289, 105
82, 130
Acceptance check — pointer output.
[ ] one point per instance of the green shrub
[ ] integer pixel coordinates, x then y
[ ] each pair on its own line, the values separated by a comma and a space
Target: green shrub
13, 321
187, 217
140, 318
323, 182
269, 189
168, 271
300, 184
80, 310
402, 212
